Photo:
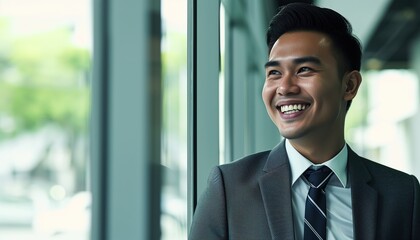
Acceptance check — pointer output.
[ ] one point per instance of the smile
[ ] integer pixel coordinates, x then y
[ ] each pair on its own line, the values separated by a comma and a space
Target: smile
292, 108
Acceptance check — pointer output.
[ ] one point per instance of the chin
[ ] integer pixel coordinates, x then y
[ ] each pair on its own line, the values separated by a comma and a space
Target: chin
291, 134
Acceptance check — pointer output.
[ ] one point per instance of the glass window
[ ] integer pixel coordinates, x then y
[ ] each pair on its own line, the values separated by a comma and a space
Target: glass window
174, 132
222, 86
378, 124
45, 52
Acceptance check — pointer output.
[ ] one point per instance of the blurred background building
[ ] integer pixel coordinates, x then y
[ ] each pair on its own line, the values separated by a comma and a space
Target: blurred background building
113, 112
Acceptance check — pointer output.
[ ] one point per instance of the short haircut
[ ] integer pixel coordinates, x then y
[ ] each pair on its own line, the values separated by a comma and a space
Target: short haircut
308, 17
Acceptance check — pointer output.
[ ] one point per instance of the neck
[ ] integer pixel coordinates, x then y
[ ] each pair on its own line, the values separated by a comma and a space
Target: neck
318, 151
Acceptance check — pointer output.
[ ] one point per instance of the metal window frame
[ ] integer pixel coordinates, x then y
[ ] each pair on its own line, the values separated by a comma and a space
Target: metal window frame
125, 122
203, 85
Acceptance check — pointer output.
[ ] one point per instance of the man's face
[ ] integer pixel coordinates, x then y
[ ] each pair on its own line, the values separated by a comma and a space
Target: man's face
303, 92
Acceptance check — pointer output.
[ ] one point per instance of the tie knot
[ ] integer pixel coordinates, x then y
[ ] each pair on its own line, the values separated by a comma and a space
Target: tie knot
318, 178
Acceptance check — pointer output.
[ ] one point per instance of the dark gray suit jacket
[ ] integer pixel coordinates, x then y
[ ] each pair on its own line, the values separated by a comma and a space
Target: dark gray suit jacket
251, 199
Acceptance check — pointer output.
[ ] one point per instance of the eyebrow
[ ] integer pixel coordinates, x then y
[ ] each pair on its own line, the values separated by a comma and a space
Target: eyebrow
299, 60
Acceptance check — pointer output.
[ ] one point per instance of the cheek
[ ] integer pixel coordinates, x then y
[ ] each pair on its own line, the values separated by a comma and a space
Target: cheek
267, 95
328, 97
268, 92
324, 90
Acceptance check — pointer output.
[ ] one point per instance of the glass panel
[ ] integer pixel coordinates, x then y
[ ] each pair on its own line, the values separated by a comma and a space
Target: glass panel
174, 139
222, 85
377, 124
44, 111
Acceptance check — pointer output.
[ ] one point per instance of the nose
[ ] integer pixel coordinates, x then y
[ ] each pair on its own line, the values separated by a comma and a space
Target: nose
288, 86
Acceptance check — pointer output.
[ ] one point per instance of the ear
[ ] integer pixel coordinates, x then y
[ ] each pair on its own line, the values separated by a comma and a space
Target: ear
352, 81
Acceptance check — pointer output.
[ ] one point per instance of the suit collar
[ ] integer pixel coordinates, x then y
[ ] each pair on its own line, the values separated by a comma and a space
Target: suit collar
364, 198
275, 186
277, 158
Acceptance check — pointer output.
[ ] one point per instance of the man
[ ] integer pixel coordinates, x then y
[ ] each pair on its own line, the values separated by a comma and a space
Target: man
312, 75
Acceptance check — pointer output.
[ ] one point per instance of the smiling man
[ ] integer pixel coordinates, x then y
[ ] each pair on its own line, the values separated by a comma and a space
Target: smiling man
306, 95
311, 185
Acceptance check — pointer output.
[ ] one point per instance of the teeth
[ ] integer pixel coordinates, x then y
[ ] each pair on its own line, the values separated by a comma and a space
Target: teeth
292, 108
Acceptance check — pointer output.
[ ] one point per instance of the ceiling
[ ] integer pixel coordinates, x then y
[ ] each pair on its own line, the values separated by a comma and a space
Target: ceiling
390, 43
386, 28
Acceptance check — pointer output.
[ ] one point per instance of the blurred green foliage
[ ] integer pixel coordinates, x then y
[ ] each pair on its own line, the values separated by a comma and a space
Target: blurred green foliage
174, 70
44, 79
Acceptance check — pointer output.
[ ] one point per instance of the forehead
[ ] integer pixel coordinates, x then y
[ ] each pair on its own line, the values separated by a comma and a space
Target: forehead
302, 43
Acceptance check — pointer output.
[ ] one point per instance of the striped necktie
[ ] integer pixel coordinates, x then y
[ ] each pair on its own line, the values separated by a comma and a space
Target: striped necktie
315, 226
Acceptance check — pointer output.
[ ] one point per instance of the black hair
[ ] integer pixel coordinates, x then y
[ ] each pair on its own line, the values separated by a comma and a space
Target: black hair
308, 17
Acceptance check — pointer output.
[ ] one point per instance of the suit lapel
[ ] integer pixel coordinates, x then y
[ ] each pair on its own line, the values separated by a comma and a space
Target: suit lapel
275, 186
275, 189
364, 198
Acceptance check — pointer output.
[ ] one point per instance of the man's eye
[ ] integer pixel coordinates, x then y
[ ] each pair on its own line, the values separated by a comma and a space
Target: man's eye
273, 72
304, 69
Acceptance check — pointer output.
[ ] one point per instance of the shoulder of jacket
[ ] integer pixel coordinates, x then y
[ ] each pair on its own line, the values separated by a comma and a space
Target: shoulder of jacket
250, 160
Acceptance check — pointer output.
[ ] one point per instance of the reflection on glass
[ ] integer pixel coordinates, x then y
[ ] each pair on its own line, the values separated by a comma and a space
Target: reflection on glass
174, 132
44, 107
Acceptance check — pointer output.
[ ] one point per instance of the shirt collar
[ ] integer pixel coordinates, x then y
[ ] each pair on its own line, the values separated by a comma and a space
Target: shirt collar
299, 164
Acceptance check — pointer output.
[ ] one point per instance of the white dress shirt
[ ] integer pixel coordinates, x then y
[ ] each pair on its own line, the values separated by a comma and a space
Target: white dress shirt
338, 194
